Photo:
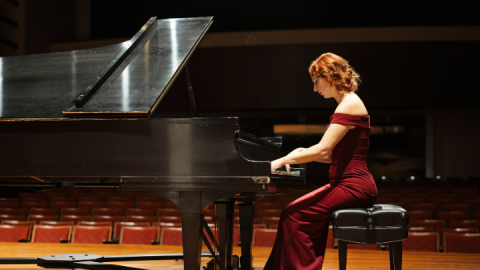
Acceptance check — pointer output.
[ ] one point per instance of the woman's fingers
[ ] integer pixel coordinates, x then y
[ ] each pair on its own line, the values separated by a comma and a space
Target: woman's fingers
288, 167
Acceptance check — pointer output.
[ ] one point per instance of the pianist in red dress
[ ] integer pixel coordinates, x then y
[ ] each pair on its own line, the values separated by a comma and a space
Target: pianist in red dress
303, 228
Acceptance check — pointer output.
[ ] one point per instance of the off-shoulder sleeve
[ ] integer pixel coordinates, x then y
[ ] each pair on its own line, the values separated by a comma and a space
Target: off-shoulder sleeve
350, 119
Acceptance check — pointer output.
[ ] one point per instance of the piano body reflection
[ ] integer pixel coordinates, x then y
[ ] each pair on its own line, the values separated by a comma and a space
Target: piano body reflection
86, 117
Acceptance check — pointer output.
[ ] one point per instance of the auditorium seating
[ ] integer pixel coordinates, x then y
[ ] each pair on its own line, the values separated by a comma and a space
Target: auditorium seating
141, 219
422, 241
442, 231
112, 219
432, 209
12, 211
138, 212
14, 233
140, 235
106, 211
264, 237
91, 234
56, 223
43, 211
171, 236
38, 218
75, 218
51, 234
74, 211
119, 225
461, 243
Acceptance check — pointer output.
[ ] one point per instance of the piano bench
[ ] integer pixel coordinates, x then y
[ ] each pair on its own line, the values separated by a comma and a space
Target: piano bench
379, 224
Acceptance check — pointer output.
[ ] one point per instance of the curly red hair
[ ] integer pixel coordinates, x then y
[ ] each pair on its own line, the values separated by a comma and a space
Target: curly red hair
336, 70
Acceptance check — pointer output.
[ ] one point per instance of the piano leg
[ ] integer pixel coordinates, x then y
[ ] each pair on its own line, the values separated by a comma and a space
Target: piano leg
247, 211
225, 225
192, 231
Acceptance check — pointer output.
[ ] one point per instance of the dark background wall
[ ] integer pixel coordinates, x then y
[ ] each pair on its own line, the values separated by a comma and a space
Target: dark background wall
425, 87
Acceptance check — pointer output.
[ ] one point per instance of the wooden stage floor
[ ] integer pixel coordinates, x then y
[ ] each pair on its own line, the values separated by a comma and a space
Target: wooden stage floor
357, 259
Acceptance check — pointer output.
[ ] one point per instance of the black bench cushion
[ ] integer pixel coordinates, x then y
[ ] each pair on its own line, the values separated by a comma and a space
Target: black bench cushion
382, 223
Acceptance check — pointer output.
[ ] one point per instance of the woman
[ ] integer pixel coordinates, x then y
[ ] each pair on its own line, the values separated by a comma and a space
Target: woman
303, 228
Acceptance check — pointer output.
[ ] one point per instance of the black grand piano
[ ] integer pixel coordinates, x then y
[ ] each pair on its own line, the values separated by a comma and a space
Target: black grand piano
86, 117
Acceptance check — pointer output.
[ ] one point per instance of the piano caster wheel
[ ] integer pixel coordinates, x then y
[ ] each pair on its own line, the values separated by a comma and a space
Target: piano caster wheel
210, 265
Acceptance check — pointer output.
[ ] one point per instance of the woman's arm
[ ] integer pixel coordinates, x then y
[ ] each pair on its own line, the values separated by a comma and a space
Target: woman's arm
320, 151
325, 159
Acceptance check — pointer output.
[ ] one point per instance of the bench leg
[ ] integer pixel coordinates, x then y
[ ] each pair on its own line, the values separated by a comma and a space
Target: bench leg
342, 255
395, 250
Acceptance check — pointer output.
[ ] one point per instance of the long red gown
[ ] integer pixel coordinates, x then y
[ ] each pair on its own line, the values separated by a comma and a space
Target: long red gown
303, 228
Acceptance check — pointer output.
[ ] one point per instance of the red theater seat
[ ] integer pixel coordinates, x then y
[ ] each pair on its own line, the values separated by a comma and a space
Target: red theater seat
112, 219
169, 212
170, 205
74, 211
171, 219
440, 200
464, 224
171, 236
264, 237
38, 218
434, 223
266, 205
421, 229
120, 199
121, 205
95, 223
149, 205
106, 211
269, 213
62, 199
28, 205
62, 204
138, 212
14, 233
141, 219
75, 218
449, 215
51, 234
131, 193
420, 214
90, 204
269, 221
56, 223
139, 235
422, 206
91, 234
442, 231
9, 204
12, 211
148, 199
461, 243
119, 225
43, 211
255, 226
90, 199
27, 194
464, 207
422, 241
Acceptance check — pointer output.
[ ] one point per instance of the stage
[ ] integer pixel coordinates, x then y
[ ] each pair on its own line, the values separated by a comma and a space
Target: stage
357, 259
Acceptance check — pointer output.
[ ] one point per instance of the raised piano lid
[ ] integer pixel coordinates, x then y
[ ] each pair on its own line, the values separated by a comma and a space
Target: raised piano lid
44, 87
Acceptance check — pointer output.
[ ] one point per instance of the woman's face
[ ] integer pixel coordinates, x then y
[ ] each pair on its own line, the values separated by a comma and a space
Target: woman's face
323, 87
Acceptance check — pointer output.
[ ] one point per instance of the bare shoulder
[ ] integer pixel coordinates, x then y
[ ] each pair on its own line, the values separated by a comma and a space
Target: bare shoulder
351, 104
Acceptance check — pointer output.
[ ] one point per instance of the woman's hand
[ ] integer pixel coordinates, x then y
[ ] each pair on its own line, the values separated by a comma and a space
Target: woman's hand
278, 163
